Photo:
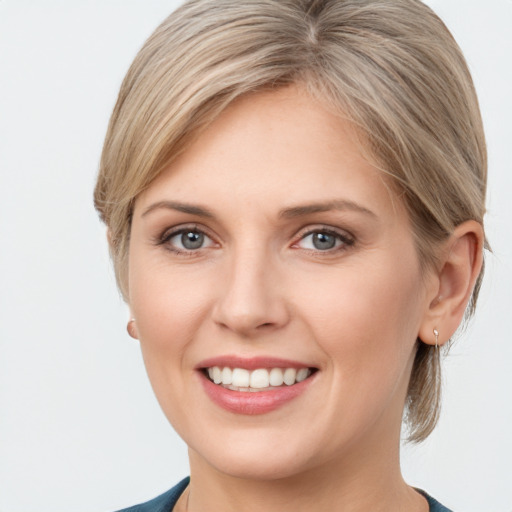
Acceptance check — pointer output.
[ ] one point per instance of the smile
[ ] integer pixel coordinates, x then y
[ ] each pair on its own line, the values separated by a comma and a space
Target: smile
260, 379
252, 386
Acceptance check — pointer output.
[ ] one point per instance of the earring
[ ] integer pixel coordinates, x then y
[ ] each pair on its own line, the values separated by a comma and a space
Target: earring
130, 327
436, 334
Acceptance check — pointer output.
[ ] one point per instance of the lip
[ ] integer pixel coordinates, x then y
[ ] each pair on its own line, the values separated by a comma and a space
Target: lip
252, 403
250, 363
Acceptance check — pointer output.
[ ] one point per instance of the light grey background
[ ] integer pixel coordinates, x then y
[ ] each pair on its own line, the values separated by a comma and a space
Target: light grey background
80, 430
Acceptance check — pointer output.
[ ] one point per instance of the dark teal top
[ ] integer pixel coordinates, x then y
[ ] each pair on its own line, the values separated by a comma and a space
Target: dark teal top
163, 503
166, 501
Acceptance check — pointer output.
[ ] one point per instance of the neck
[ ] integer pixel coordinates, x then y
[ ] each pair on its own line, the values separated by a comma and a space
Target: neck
359, 481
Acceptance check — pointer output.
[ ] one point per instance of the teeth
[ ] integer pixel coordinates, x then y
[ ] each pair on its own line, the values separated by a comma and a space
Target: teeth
289, 376
227, 376
259, 379
276, 377
240, 379
302, 374
217, 375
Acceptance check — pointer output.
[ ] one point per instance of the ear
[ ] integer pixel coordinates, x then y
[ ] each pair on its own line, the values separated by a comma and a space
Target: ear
109, 237
461, 262
131, 328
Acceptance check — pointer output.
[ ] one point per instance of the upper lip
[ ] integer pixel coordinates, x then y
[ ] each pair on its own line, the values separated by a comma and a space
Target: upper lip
250, 363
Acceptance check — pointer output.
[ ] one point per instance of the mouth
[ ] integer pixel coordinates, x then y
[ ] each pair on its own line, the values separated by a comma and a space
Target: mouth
257, 380
255, 385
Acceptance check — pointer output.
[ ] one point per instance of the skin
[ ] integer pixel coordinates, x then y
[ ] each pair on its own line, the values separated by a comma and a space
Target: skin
259, 287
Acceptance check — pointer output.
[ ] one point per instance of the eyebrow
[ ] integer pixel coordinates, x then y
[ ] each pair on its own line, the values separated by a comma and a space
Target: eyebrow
287, 213
337, 204
180, 207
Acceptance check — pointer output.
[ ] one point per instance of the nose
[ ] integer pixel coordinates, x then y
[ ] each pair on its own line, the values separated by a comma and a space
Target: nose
251, 298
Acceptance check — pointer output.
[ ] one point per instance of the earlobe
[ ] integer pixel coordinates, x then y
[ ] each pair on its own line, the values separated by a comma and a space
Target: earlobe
131, 328
460, 266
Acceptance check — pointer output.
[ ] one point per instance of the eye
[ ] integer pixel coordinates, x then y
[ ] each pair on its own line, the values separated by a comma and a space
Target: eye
187, 239
324, 240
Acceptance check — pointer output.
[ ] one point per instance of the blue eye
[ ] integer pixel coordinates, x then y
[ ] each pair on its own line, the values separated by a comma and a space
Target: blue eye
188, 240
322, 240
192, 240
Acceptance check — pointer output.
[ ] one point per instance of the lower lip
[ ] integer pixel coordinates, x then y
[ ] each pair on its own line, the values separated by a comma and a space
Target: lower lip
251, 403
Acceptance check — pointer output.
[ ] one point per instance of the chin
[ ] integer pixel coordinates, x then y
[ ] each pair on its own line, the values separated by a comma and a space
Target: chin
260, 466
256, 456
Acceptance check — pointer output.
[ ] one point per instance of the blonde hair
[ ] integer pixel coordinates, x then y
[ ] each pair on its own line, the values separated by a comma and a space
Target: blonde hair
390, 66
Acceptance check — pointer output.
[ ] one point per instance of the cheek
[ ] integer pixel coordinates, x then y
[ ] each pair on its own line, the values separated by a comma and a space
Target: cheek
166, 301
169, 306
366, 322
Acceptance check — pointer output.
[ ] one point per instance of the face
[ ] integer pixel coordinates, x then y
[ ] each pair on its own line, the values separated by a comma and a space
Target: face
272, 250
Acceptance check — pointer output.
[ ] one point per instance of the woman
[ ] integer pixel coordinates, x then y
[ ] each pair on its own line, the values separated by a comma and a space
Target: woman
294, 193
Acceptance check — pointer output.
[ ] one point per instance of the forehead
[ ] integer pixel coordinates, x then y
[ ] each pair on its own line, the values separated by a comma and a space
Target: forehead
274, 147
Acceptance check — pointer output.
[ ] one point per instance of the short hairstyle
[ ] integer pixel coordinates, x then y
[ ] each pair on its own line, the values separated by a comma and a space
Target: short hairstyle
389, 66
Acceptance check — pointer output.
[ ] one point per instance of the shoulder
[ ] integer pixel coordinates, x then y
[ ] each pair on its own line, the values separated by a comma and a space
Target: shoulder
434, 505
163, 503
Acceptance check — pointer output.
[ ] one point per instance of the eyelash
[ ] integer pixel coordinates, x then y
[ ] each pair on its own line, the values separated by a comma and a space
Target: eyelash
344, 240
